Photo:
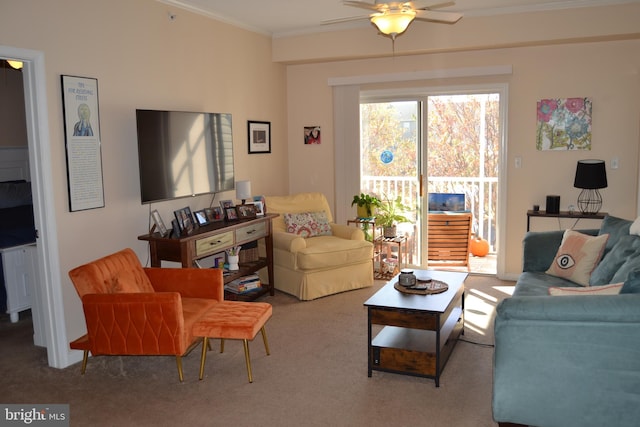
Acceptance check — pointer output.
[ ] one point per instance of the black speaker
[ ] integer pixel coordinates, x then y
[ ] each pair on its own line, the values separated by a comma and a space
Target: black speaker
553, 204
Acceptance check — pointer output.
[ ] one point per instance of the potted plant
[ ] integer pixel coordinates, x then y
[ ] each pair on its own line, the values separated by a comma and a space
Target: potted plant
390, 213
365, 204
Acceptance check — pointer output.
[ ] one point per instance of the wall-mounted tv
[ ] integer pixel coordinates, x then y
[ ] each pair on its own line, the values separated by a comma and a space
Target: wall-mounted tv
183, 154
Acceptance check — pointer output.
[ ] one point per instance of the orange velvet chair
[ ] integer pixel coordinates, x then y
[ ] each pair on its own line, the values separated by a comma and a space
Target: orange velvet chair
131, 310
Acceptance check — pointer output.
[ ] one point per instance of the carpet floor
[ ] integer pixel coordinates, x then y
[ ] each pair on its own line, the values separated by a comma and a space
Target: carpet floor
316, 374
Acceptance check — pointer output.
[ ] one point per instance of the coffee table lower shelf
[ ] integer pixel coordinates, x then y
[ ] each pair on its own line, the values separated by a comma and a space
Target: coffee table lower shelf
415, 351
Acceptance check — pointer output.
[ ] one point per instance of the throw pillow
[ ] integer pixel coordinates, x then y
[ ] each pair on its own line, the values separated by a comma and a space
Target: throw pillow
577, 256
302, 224
612, 289
632, 284
623, 251
615, 227
635, 227
324, 229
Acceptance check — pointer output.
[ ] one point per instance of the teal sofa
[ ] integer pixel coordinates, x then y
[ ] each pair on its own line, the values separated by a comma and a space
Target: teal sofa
570, 361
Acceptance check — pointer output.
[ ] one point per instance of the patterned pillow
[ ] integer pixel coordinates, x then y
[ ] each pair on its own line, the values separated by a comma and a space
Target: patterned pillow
302, 224
612, 289
307, 224
577, 256
324, 229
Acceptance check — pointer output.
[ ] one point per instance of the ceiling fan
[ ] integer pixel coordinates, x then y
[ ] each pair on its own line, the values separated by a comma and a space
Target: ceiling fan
393, 18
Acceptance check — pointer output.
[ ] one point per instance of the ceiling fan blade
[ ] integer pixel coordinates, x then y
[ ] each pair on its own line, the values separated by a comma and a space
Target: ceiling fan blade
438, 16
416, 6
363, 5
340, 20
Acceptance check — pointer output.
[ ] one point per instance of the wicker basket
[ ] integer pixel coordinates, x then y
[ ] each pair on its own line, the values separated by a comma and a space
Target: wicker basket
249, 255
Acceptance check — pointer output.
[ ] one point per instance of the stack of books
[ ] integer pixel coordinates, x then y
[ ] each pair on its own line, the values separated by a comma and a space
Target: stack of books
244, 284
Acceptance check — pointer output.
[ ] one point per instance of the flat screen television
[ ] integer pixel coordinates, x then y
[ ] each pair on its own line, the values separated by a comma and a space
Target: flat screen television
183, 154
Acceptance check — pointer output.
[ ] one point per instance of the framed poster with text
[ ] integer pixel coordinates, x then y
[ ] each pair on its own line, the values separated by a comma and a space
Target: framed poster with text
82, 137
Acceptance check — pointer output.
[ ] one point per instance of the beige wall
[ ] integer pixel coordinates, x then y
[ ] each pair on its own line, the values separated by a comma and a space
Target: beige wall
142, 60
607, 71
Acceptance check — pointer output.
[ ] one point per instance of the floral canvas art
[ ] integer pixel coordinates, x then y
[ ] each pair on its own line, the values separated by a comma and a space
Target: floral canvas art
564, 124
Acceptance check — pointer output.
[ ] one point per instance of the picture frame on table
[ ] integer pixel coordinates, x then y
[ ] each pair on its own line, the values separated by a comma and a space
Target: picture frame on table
201, 217
246, 211
259, 206
217, 214
158, 223
231, 214
226, 204
264, 204
185, 220
259, 137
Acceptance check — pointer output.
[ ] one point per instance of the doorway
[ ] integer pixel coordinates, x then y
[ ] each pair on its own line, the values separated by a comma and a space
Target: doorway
47, 309
435, 144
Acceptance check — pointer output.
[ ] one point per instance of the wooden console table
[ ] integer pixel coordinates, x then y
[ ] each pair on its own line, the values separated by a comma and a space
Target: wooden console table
214, 238
563, 214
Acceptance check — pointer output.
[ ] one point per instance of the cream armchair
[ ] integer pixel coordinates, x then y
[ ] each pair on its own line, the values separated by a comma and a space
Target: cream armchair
313, 267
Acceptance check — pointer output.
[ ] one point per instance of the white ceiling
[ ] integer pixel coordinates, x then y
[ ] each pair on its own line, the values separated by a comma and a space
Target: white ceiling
288, 17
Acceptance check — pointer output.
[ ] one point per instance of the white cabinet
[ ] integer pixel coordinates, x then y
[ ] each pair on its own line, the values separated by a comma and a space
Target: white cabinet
18, 264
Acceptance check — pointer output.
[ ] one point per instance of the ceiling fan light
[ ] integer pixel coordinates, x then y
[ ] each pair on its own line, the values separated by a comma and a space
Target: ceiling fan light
393, 22
16, 65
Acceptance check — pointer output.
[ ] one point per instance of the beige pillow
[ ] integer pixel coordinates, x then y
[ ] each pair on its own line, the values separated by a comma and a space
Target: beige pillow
577, 256
612, 289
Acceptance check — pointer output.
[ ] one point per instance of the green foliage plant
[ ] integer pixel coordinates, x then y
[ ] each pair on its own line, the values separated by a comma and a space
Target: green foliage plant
366, 201
391, 212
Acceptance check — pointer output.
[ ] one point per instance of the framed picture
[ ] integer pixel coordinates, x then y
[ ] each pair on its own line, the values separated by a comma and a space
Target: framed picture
259, 208
158, 223
246, 211
201, 217
226, 204
259, 137
264, 204
215, 214
231, 214
185, 220
312, 135
83, 147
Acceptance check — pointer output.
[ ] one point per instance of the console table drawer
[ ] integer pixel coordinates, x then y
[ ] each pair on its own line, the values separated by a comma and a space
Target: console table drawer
214, 243
251, 232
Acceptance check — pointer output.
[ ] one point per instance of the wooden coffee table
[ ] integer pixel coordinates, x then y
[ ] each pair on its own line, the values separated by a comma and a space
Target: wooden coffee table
419, 331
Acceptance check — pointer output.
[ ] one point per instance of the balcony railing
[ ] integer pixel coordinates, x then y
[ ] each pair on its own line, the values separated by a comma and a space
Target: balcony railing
480, 196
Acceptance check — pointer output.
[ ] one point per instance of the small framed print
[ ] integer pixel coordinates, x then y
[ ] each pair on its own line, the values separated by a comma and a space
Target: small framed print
201, 217
246, 211
259, 206
259, 137
231, 214
217, 214
158, 223
226, 204
264, 204
185, 220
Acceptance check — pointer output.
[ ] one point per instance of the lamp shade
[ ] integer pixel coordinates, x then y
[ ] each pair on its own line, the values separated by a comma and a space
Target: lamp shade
243, 190
590, 174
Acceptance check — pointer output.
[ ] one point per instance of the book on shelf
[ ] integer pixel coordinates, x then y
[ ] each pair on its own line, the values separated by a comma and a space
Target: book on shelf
244, 284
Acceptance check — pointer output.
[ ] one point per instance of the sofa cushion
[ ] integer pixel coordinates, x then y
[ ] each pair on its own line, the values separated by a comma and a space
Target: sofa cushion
615, 227
632, 284
322, 222
611, 289
577, 256
625, 249
536, 283
329, 251
631, 264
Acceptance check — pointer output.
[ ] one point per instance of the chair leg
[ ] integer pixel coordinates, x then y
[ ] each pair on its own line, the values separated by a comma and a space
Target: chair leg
247, 359
179, 363
221, 345
84, 362
264, 339
203, 358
